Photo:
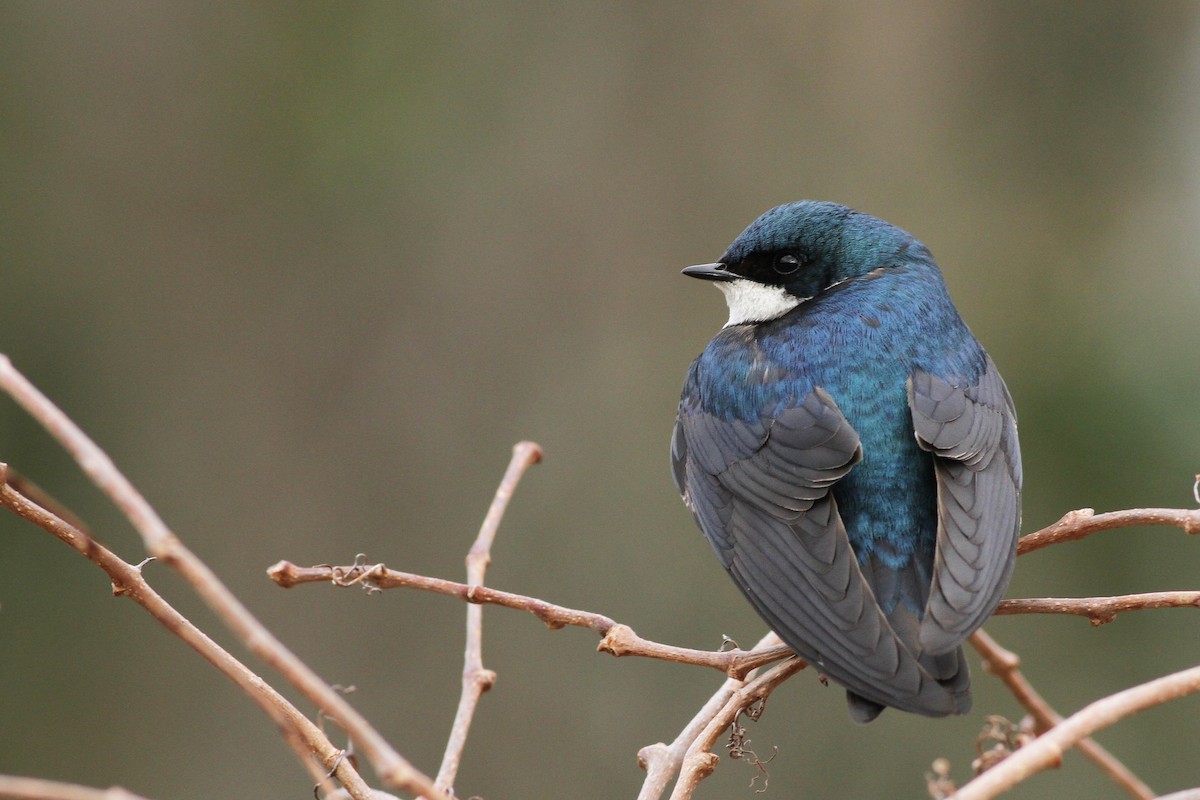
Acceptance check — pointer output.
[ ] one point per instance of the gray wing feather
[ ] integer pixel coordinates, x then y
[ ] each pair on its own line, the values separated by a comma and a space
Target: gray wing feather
760, 491
972, 433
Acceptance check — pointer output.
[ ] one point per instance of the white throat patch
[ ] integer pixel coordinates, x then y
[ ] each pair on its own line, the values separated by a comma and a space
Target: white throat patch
756, 302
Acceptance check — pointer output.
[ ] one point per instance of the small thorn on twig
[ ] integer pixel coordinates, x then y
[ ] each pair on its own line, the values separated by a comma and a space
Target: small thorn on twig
119, 589
1196, 489
727, 643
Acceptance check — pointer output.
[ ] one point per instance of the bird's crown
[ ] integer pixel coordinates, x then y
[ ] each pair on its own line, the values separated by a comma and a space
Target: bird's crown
816, 243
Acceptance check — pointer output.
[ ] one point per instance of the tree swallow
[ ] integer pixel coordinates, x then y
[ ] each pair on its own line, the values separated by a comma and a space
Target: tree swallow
850, 452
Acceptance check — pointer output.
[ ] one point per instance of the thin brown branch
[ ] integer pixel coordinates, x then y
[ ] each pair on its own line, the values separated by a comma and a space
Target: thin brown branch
618, 639
661, 761
127, 581
476, 679
1047, 750
1006, 666
20, 788
1083, 522
700, 761
393, 769
1099, 610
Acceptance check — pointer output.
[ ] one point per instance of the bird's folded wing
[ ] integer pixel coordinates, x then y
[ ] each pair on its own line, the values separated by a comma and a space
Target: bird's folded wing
972, 433
760, 491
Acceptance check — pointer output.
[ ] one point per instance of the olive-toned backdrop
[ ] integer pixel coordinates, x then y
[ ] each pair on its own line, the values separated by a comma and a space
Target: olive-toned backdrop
308, 270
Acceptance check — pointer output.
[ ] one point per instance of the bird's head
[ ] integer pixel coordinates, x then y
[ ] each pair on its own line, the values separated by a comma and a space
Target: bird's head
796, 251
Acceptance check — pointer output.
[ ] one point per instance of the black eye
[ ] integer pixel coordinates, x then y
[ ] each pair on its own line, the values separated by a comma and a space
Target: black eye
787, 263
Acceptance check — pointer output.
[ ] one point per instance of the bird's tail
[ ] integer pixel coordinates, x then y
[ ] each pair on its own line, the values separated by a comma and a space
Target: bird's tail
946, 688
946, 682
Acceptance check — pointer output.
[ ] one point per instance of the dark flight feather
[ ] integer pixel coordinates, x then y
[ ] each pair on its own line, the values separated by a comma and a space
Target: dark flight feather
973, 436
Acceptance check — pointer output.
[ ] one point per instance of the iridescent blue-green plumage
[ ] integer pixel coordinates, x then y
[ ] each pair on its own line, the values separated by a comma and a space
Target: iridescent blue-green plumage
854, 460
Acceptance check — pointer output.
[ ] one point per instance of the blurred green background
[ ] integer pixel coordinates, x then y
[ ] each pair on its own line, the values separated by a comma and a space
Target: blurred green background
307, 271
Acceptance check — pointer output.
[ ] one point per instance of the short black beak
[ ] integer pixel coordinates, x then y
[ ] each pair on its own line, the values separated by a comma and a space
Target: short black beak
710, 272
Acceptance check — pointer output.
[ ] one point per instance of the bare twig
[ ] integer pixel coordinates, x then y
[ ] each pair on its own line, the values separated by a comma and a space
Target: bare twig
661, 761
128, 582
700, 761
1099, 610
618, 639
20, 788
1083, 522
1006, 666
476, 679
392, 768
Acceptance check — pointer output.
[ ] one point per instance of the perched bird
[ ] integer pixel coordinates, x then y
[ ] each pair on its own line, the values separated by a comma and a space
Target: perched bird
850, 452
